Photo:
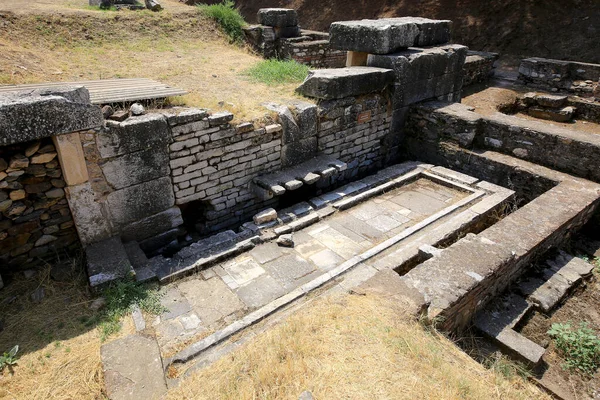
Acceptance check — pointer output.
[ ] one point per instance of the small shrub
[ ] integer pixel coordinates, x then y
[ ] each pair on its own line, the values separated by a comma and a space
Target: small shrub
275, 72
9, 359
227, 16
121, 297
580, 347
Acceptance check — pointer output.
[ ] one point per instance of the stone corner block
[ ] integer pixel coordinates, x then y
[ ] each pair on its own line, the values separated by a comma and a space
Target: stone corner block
328, 84
278, 17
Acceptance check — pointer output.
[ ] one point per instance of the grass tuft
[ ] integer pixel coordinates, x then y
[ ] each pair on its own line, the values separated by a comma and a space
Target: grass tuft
228, 17
121, 297
277, 72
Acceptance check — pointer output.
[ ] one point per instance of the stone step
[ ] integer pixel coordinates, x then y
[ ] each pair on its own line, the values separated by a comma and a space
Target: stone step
306, 173
498, 321
133, 368
214, 249
139, 261
558, 277
107, 261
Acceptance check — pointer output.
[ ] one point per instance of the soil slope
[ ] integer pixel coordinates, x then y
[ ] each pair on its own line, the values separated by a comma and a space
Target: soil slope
562, 29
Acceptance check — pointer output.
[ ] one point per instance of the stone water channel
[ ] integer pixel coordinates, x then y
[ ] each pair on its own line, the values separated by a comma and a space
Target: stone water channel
405, 211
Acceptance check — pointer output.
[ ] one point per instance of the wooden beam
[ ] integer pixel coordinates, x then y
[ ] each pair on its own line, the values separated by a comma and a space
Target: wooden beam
356, 59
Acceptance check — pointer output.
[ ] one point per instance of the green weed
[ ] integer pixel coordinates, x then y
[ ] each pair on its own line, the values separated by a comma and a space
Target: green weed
8, 359
276, 72
227, 16
121, 297
580, 347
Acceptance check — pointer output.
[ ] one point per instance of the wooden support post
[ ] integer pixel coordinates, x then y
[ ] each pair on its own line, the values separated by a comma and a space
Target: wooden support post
72, 161
356, 59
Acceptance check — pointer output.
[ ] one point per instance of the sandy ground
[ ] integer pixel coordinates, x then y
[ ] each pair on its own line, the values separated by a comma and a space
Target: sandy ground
65, 6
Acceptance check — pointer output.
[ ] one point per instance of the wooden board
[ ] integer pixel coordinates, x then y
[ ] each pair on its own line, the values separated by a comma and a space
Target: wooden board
108, 91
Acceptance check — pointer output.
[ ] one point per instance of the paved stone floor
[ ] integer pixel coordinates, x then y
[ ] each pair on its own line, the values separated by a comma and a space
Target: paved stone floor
204, 303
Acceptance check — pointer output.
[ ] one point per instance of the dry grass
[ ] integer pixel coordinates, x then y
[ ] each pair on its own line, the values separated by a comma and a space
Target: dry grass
351, 347
181, 49
59, 355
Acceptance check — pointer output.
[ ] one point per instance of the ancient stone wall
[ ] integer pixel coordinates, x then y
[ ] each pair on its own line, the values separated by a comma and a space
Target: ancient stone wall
555, 147
479, 67
312, 50
214, 162
557, 75
128, 164
36, 223
354, 130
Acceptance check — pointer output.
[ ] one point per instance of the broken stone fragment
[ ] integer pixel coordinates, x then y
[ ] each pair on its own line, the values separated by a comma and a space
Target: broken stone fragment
137, 109
43, 158
286, 240
18, 161
38, 295
32, 149
119, 116
153, 5
265, 216
107, 111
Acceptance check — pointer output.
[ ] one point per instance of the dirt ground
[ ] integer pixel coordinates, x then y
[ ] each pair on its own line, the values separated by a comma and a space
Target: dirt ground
184, 50
487, 97
582, 306
68, 6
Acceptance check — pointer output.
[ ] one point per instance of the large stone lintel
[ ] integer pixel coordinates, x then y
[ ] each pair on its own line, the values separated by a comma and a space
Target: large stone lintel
35, 114
387, 35
338, 83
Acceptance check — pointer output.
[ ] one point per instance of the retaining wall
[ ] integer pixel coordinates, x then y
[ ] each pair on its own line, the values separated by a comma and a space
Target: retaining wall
557, 75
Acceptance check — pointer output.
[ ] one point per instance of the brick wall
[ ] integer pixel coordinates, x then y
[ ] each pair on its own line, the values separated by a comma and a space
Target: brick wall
314, 53
354, 130
214, 162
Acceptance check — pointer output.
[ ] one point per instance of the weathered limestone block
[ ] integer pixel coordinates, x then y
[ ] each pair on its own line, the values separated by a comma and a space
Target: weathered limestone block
90, 223
70, 154
106, 261
140, 201
299, 121
135, 134
339, 83
265, 216
33, 115
132, 169
153, 225
297, 152
387, 35
416, 64
278, 17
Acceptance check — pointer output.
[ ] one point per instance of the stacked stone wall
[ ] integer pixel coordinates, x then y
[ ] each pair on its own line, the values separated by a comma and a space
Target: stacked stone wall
479, 67
557, 75
314, 53
355, 130
215, 162
35, 221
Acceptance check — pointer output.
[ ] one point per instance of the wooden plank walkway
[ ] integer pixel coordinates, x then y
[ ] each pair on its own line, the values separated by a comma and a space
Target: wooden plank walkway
108, 91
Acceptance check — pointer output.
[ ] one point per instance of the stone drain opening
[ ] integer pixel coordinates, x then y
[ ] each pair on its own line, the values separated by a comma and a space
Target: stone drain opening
193, 214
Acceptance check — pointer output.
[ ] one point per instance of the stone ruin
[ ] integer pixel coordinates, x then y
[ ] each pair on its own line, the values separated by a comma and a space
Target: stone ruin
184, 192
278, 35
153, 5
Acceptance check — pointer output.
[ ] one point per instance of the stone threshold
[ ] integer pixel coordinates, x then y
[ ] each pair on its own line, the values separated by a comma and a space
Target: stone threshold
478, 199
